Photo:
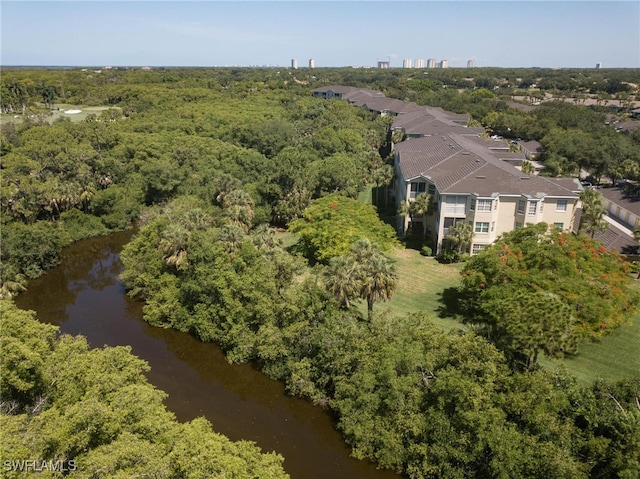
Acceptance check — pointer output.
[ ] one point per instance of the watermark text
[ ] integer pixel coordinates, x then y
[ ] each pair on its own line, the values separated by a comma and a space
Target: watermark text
34, 465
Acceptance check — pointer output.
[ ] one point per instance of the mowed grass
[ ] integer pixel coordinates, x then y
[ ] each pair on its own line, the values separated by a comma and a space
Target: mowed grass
612, 357
421, 284
60, 113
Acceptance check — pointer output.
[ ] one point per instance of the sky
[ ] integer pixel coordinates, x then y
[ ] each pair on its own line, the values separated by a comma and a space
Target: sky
517, 33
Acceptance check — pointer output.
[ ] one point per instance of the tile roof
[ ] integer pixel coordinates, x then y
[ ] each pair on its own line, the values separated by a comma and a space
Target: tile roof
460, 164
626, 195
613, 238
453, 156
433, 121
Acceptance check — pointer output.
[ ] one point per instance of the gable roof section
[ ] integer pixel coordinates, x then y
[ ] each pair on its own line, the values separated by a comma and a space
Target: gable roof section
426, 121
460, 165
418, 156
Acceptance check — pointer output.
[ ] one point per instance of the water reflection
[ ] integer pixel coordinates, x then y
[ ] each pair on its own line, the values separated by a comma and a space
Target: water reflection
83, 296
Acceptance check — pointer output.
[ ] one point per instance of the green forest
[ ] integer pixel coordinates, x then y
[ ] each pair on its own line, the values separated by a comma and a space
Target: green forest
212, 165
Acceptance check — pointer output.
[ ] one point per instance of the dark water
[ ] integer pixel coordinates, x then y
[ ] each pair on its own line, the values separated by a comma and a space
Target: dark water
83, 296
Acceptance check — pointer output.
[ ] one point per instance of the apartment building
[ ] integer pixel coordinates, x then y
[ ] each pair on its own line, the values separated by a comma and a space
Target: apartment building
469, 177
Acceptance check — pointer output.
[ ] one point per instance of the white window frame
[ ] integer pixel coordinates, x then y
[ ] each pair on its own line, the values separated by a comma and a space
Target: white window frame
532, 209
484, 206
477, 247
522, 206
561, 205
480, 227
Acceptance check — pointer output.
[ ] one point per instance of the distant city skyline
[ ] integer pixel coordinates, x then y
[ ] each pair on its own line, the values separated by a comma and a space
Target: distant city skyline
518, 33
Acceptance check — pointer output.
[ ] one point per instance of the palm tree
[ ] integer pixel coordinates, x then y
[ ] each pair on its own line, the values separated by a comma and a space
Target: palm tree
527, 167
238, 206
264, 238
460, 234
422, 206
174, 245
375, 274
591, 220
382, 177
340, 279
405, 210
232, 236
223, 184
380, 280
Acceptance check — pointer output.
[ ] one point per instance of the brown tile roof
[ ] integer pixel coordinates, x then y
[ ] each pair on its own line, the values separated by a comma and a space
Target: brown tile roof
461, 165
433, 121
613, 238
420, 155
626, 195
520, 106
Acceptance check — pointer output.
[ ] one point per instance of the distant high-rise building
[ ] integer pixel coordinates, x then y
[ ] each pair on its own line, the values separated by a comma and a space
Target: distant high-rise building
471, 64
419, 63
443, 64
598, 66
294, 63
312, 63
406, 63
431, 63
383, 64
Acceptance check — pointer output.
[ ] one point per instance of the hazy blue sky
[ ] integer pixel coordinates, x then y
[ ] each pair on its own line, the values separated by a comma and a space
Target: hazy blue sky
359, 33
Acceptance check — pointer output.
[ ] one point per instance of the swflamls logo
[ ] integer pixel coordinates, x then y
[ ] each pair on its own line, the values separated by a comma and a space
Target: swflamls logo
32, 465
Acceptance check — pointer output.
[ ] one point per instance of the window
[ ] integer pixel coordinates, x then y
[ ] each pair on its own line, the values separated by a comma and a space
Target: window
484, 205
476, 248
416, 189
541, 206
518, 225
495, 205
521, 205
533, 208
561, 205
482, 227
560, 226
432, 189
455, 204
493, 225
473, 204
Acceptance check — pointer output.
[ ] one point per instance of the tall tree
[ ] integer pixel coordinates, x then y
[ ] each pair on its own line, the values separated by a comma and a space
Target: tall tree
539, 264
421, 206
364, 273
591, 219
461, 235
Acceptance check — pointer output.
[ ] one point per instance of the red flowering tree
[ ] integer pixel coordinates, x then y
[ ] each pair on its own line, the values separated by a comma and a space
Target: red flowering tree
542, 290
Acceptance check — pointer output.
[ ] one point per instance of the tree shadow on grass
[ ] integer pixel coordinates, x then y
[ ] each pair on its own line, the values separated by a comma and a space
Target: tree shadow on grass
450, 304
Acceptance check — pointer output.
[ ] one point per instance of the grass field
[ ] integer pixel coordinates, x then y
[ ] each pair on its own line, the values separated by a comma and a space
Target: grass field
60, 113
615, 356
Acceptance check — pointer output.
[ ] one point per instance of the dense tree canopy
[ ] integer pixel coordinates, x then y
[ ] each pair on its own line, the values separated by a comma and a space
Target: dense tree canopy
334, 222
92, 412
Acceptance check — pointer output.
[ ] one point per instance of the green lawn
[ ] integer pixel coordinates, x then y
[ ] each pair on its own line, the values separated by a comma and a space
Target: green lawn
60, 113
612, 357
422, 281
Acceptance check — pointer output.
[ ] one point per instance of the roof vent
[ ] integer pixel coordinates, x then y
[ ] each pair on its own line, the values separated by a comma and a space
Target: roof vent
481, 177
525, 177
466, 153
